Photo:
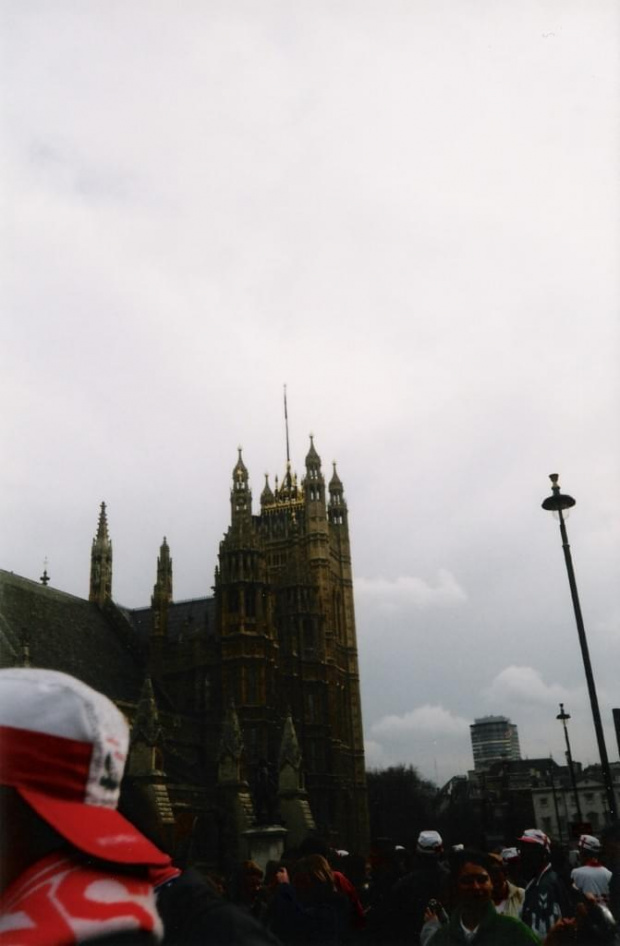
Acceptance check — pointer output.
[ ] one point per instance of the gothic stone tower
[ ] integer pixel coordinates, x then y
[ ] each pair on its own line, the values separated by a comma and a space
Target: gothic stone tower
284, 600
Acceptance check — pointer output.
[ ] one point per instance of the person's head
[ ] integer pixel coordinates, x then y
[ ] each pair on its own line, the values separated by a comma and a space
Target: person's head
429, 844
535, 851
249, 880
511, 860
510, 857
318, 870
272, 868
471, 880
499, 878
63, 748
589, 846
313, 878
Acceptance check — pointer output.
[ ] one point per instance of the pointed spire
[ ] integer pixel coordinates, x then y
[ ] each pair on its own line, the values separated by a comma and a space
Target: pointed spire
146, 726
337, 505
312, 457
240, 472
102, 528
231, 741
292, 795
335, 483
145, 759
240, 494
266, 497
101, 562
314, 485
162, 590
290, 752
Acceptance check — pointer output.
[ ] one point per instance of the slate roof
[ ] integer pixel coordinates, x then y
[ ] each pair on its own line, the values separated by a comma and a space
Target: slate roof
186, 620
65, 633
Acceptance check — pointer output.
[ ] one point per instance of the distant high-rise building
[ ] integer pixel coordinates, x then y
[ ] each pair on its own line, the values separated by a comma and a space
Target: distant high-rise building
494, 738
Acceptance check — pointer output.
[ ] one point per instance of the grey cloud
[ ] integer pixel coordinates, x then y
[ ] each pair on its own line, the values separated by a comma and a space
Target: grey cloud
408, 591
525, 685
435, 720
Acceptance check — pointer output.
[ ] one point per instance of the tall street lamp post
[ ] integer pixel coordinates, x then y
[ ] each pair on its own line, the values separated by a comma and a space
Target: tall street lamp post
556, 806
569, 758
559, 502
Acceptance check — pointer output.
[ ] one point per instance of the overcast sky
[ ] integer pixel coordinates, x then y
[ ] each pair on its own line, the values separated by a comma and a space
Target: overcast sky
406, 210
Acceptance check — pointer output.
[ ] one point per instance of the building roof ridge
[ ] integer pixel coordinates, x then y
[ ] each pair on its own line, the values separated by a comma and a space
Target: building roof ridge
45, 589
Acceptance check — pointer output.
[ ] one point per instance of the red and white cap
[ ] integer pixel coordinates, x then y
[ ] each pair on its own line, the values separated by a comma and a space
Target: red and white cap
587, 842
535, 836
63, 746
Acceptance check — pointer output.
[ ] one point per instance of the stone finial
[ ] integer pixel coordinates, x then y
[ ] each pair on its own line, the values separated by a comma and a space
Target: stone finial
290, 753
45, 578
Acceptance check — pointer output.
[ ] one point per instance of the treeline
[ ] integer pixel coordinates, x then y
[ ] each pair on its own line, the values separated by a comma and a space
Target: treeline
401, 804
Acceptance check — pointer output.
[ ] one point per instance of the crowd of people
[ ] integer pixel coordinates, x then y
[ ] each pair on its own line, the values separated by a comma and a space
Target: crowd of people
76, 870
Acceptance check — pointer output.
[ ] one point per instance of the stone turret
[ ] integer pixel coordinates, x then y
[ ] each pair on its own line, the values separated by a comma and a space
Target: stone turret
337, 504
162, 591
314, 496
101, 563
240, 495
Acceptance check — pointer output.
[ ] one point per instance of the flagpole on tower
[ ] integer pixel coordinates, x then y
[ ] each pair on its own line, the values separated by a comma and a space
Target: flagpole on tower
288, 452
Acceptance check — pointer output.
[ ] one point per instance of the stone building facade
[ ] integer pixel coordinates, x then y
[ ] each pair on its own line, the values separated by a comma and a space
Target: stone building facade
220, 686
555, 805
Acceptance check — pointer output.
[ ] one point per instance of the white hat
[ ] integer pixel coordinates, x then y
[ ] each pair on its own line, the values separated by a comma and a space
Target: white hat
63, 747
429, 842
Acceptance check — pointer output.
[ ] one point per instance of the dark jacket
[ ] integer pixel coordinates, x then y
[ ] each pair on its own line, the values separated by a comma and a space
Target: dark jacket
428, 880
321, 920
545, 902
193, 914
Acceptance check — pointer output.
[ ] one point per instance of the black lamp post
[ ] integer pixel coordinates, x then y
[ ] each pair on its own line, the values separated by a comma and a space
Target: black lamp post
569, 758
558, 503
555, 805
